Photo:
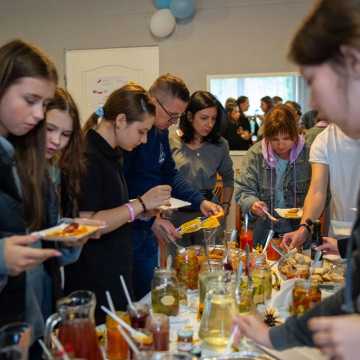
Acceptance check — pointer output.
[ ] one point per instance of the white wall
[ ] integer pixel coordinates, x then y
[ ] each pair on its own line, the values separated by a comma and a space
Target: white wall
226, 36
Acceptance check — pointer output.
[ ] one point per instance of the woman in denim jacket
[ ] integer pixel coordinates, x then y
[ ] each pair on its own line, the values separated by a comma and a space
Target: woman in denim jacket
276, 173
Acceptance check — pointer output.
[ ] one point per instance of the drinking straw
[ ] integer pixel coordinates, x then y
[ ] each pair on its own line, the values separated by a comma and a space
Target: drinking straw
110, 301
122, 332
228, 349
122, 322
59, 347
126, 291
169, 262
45, 350
246, 222
134, 348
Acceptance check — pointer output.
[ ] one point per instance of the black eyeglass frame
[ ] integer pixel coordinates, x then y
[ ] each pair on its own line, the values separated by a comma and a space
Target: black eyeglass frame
173, 117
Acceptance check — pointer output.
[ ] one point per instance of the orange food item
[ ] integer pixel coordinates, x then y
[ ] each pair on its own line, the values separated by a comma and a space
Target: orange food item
71, 230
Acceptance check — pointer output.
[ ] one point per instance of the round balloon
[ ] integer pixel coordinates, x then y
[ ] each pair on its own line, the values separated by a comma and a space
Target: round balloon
162, 23
182, 9
162, 4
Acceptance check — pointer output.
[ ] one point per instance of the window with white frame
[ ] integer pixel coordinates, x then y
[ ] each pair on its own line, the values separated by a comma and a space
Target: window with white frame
289, 86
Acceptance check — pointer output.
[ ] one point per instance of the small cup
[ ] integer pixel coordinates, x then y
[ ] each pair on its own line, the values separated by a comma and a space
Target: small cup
117, 347
158, 324
138, 315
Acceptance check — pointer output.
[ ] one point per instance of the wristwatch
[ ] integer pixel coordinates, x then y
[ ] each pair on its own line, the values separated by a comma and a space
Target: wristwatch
307, 225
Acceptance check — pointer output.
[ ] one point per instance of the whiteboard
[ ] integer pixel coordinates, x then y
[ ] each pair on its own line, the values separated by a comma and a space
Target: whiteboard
92, 75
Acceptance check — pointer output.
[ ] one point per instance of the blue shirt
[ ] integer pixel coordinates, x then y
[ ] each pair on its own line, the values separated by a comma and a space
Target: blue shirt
281, 166
151, 164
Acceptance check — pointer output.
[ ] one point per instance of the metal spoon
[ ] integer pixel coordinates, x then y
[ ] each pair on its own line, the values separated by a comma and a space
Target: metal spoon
170, 241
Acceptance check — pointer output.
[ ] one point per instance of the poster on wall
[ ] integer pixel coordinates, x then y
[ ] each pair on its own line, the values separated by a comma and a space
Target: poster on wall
92, 75
99, 86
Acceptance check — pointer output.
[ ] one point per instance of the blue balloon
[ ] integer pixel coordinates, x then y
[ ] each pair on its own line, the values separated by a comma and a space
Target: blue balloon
162, 4
182, 9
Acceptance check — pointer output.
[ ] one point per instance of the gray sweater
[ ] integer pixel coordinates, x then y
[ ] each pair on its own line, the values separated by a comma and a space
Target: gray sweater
199, 167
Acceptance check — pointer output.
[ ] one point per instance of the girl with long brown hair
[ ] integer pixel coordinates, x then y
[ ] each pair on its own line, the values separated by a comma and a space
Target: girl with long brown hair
121, 124
27, 203
65, 150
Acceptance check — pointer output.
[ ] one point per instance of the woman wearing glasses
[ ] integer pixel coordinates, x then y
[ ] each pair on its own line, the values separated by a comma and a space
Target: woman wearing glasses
200, 154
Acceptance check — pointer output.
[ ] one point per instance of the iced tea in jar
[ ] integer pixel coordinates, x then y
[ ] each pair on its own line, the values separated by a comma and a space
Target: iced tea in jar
314, 294
187, 267
301, 300
116, 346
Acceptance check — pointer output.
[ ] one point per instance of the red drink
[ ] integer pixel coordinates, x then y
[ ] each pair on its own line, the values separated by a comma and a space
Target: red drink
79, 335
158, 324
246, 238
272, 254
138, 317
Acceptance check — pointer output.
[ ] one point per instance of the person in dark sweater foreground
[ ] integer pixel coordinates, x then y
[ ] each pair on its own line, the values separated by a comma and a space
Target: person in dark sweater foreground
331, 66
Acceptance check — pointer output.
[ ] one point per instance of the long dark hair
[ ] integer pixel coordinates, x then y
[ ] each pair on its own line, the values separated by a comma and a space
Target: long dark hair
329, 26
19, 59
72, 160
131, 100
198, 101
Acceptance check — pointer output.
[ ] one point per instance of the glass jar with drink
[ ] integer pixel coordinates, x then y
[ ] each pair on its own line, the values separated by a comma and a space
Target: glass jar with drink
244, 292
187, 267
213, 269
158, 324
216, 321
138, 313
262, 280
75, 318
301, 300
164, 292
116, 346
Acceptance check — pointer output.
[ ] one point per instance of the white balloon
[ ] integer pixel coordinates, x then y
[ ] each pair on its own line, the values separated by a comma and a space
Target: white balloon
162, 23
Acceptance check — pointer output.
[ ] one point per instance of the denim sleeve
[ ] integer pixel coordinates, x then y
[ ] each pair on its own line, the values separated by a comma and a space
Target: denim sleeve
69, 255
247, 183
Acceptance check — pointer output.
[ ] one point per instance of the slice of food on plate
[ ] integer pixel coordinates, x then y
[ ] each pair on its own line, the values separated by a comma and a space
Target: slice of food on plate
290, 213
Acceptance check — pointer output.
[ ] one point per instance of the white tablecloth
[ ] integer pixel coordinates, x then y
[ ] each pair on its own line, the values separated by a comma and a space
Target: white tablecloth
188, 317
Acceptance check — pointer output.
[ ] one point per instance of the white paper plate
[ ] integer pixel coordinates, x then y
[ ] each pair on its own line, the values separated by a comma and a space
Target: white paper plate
89, 227
175, 204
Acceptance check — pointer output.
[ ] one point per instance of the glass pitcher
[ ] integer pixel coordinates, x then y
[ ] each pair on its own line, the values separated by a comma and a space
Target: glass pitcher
75, 319
15, 339
219, 311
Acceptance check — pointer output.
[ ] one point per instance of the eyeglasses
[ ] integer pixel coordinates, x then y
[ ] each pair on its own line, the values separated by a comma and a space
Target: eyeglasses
173, 117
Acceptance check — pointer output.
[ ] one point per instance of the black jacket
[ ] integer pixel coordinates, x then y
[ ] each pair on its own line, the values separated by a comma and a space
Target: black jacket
12, 297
